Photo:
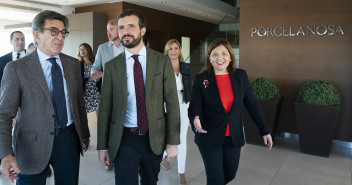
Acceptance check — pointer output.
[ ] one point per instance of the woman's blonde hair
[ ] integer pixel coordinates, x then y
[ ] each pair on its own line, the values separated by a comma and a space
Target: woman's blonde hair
168, 46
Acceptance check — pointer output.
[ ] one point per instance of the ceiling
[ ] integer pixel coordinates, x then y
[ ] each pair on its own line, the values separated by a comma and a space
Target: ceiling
14, 13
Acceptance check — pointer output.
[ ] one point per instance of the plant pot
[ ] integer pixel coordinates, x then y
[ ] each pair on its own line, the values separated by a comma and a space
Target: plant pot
271, 111
316, 126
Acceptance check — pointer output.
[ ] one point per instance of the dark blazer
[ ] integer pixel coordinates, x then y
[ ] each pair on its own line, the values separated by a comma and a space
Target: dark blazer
160, 87
206, 103
185, 70
25, 94
86, 79
3, 61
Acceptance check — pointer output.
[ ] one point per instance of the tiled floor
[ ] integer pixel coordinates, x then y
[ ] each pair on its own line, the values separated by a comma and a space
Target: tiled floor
283, 165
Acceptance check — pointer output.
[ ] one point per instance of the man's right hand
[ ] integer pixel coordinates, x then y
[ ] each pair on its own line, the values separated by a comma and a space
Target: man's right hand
9, 168
104, 157
96, 74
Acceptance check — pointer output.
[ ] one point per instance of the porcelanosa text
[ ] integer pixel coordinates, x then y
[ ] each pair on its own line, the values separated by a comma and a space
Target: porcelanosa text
290, 31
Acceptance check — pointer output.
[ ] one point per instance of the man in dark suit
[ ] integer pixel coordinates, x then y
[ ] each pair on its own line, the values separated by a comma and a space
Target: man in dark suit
44, 90
18, 43
133, 129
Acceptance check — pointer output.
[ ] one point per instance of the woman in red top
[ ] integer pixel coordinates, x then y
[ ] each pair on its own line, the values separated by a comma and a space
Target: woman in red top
216, 113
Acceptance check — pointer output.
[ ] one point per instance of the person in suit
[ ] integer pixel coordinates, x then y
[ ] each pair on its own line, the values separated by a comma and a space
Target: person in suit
30, 48
133, 128
182, 72
108, 50
44, 90
18, 43
215, 112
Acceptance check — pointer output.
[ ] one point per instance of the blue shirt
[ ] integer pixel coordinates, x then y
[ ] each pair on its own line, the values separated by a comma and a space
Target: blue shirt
131, 110
46, 66
116, 50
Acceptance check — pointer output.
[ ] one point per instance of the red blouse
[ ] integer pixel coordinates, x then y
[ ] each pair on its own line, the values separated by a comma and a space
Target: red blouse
226, 94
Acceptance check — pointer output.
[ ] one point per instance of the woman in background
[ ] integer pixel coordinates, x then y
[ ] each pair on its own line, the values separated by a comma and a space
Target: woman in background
91, 87
182, 72
215, 112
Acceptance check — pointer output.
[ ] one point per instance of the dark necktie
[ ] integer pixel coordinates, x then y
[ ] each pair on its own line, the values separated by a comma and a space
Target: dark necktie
58, 95
18, 55
142, 118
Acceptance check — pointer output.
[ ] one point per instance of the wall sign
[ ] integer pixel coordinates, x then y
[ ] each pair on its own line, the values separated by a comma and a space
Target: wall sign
290, 31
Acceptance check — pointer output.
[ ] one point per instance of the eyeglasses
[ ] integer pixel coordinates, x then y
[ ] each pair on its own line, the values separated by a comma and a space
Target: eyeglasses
55, 32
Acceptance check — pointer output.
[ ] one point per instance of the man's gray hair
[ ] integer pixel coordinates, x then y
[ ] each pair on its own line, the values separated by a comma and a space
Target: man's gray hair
38, 22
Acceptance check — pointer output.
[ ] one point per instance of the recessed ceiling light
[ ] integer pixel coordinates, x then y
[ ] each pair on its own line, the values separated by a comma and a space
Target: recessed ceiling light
189, 10
163, 2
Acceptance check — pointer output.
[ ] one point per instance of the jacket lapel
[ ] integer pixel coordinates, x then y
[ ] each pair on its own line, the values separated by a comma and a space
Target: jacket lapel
36, 69
235, 85
121, 74
215, 90
151, 65
68, 72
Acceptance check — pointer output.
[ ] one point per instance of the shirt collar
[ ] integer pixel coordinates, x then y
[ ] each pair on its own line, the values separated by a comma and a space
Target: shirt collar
142, 52
23, 53
111, 43
42, 56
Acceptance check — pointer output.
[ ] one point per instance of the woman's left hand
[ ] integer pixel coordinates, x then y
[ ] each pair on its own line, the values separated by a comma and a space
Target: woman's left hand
268, 141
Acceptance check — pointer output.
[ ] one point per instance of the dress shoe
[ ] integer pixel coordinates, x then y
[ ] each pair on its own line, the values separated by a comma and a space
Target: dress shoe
165, 164
110, 166
183, 179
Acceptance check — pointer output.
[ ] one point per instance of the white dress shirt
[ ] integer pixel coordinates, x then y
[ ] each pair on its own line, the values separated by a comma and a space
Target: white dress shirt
131, 110
14, 54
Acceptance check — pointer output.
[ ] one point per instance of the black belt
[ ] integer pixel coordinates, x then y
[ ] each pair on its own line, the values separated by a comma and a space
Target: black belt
61, 131
133, 130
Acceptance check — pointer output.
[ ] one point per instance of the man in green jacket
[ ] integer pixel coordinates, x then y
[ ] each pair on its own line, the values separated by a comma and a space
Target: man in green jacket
133, 128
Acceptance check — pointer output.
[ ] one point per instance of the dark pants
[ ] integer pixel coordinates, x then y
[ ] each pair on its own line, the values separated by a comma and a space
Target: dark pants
64, 159
136, 157
221, 163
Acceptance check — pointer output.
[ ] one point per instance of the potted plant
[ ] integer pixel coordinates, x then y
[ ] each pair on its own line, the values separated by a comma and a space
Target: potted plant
269, 98
317, 111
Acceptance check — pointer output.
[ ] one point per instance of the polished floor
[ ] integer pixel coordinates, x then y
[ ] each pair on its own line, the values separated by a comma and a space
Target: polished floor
283, 165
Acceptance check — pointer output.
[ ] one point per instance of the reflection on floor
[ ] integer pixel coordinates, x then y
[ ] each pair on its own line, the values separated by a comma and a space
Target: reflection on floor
283, 165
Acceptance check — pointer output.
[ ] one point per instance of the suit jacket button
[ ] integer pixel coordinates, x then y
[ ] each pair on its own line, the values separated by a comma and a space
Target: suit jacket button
52, 133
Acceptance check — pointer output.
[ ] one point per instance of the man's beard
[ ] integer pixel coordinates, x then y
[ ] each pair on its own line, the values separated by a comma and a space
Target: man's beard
133, 43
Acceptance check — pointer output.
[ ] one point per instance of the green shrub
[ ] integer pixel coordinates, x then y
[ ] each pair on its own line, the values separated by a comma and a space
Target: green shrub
319, 92
265, 89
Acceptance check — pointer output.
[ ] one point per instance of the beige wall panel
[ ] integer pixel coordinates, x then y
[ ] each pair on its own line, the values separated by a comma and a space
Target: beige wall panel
72, 42
87, 21
75, 22
87, 37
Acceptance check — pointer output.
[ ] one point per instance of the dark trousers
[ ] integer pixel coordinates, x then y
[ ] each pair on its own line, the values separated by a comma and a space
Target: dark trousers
64, 159
136, 157
221, 163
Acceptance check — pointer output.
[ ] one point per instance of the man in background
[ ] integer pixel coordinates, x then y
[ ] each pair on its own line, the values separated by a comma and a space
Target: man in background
30, 48
108, 50
18, 43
